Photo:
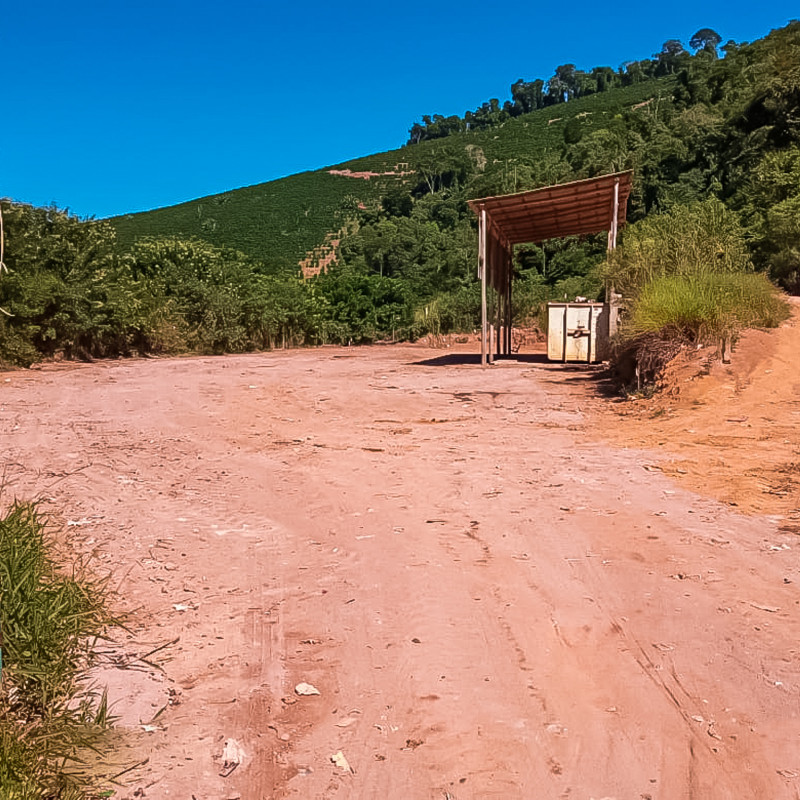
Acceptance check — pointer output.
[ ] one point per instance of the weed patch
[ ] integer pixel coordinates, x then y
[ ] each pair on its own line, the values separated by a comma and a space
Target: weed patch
53, 727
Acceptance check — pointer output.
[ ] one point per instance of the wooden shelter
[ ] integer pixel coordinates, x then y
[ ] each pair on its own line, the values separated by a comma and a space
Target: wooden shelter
579, 208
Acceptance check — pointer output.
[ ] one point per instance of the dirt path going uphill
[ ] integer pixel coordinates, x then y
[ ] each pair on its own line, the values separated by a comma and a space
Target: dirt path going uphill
490, 602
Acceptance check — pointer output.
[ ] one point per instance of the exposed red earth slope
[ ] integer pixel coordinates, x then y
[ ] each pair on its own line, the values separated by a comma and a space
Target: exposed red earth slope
728, 429
492, 598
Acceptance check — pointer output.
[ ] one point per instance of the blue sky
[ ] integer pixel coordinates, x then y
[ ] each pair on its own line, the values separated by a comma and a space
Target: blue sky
113, 107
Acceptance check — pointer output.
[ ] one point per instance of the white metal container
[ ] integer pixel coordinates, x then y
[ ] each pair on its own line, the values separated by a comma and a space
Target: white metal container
577, 332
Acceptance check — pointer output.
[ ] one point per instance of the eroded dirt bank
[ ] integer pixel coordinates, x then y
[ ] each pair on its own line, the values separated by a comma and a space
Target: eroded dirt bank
491, 601
729, 430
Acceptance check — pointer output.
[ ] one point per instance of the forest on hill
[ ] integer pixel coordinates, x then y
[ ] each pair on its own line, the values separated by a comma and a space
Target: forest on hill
712, 133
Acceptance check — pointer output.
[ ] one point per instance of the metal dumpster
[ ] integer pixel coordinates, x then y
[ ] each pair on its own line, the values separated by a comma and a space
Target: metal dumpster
577, 332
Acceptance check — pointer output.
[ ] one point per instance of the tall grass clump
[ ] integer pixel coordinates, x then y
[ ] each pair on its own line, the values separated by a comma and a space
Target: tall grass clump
688, 240
52, 726
686, 277
705, 307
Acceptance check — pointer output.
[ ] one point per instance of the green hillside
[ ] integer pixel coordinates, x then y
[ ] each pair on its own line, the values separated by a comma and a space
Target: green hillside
713, 139
280, 221
277, 221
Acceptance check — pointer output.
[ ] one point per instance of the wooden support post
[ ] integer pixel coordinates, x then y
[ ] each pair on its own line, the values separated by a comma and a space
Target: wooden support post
498, 316
509, 316
612, 233
484, 268
612, 299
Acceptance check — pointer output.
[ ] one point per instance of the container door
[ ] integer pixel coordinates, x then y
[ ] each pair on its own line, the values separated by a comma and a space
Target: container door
579, 332
555, 332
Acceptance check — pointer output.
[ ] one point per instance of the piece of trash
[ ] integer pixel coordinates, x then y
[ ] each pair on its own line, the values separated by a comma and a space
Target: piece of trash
736, 419
712, 733
340, 761
787, 773
771, 609
664, 648
652, 467
232, 756
306, 689
150, 728
346, 722
185, 606
556, 728
698, 718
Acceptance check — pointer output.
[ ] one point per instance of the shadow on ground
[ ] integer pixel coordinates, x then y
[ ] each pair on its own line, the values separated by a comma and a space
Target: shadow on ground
594, 379
474, 359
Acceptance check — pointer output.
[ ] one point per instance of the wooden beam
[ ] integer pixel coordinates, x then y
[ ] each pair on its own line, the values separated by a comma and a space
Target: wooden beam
484, 268
509, 315
612, 233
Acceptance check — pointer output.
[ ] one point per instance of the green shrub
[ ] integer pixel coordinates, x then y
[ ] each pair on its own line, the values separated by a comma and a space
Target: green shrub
696, 239
457, 311
360, 308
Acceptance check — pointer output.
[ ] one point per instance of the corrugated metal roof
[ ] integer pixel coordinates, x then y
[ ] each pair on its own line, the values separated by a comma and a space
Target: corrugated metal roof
568, 209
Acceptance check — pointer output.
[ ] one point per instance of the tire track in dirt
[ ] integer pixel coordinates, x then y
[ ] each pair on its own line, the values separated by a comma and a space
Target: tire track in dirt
490, 603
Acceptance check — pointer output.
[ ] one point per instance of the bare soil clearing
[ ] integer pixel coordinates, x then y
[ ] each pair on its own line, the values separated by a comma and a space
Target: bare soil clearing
492, 599
730, 431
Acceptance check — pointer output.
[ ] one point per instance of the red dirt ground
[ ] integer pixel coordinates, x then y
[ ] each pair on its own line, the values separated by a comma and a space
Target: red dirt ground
495, 595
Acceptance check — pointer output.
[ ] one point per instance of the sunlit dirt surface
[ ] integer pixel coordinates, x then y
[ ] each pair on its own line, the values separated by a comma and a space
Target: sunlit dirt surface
499, 585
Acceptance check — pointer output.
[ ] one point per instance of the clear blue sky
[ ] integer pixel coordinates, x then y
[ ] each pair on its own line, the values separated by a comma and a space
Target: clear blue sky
111, 107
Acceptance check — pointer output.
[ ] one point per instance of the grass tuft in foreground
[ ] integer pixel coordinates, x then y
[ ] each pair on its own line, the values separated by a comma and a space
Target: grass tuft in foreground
52, 726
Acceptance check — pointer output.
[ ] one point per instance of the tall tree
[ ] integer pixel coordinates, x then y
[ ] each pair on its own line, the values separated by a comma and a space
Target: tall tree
668, 57
705, 39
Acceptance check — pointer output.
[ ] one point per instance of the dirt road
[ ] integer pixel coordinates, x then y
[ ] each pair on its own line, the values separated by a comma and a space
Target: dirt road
491, 601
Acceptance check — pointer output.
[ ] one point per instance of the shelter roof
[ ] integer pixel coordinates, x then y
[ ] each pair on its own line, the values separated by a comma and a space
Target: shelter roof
568, 209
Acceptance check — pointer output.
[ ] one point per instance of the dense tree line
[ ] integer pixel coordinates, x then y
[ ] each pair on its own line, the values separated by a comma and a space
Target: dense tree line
69, 292
569, 83
728, 131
